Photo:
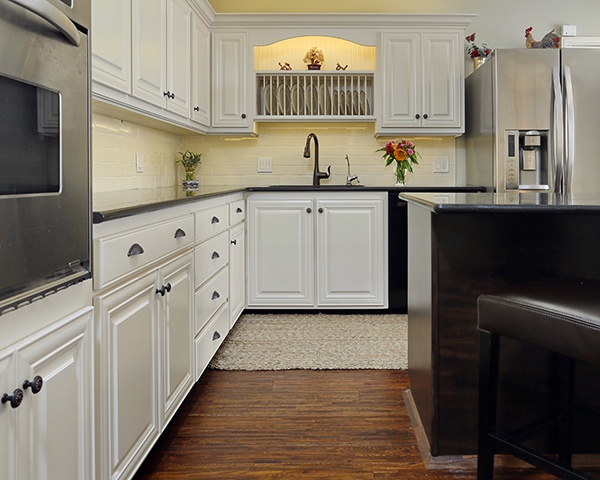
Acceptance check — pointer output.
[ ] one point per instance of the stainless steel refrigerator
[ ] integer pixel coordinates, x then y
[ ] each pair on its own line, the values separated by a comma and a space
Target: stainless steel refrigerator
532, 121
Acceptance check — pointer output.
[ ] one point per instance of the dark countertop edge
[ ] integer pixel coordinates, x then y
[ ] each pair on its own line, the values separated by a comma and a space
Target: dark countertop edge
99, 217
103, 216
483, 208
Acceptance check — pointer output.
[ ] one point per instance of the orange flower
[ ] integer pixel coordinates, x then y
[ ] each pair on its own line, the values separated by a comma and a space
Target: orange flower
400, 154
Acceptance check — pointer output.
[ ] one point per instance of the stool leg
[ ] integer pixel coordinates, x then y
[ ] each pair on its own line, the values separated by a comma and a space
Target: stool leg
489, 349
567, 375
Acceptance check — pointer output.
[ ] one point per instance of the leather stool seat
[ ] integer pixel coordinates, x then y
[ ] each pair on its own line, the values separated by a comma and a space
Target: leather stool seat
561, 315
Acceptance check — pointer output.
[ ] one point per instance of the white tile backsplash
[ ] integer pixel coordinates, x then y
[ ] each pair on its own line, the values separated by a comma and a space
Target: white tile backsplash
232, 161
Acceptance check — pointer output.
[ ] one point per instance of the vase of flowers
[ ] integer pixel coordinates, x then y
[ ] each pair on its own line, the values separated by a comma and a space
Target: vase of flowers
190, 161
479, 53
403, 155
314, 58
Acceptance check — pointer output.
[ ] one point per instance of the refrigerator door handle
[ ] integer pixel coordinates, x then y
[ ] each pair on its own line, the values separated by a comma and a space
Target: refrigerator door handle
569, 130
557, 131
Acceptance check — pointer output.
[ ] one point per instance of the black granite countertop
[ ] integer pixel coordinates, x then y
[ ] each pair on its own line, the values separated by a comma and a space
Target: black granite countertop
112, 205
513, 202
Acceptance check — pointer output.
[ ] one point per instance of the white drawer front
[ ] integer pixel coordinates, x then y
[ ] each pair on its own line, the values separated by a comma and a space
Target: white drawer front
122, 253
210, 257
210, 297
211, 221
209, 341
237, 212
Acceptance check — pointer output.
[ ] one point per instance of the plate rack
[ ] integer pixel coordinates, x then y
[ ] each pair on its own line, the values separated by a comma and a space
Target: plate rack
310, 95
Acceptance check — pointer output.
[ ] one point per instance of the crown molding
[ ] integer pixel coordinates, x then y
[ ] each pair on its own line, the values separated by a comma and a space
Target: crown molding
340, 20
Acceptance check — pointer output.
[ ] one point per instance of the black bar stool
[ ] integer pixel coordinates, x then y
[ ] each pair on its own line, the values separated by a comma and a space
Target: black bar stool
561, 315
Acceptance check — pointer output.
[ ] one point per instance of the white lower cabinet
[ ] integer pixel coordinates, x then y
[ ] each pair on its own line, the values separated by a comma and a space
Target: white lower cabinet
281, 250
237, 273
145, 362
162, 310
308, 250
46, 414
351, 252
177, 333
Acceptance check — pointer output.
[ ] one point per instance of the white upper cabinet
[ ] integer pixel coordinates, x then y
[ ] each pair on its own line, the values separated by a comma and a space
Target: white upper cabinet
149, 51
421, 83
230, 112
176, 61
162, 53
111, 43
200, 72
179, 51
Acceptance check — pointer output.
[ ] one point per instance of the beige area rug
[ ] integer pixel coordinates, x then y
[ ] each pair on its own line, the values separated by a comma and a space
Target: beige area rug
314, 342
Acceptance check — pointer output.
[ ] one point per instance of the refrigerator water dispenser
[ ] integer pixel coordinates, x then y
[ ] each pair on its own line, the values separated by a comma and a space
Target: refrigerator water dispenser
526, 153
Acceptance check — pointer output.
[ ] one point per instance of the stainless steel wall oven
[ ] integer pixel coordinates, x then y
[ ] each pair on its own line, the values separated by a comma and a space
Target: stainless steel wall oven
44, 148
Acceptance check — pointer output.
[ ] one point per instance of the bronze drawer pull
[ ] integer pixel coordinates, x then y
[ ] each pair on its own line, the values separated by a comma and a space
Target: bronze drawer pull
135, 249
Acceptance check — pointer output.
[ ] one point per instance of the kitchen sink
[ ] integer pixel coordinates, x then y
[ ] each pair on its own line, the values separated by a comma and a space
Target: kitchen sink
315, 187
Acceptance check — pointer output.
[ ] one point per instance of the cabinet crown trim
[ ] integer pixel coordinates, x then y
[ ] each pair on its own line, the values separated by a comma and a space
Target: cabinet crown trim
364, 20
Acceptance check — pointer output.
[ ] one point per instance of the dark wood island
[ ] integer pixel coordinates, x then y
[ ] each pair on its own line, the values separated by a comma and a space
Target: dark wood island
461, 245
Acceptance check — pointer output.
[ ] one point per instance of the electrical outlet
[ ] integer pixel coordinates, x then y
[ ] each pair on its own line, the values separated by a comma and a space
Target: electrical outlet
264, 165
139, 163
441, 165
569, 30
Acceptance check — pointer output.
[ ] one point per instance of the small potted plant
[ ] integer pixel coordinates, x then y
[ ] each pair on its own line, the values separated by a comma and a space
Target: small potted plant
190, 161
314, 58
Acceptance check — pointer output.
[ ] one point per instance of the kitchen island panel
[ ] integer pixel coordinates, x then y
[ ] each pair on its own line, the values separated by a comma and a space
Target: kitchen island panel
455, 257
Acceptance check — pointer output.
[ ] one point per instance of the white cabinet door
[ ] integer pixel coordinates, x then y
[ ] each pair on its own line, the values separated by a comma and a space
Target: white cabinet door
200, 72
179, 44
176, 333
401, 90
128, 402
149, 44
9, 425
230, 103
111, 43
421, 77
50, 436
237, 273
351, 258
281, 252
60, 416
442, 80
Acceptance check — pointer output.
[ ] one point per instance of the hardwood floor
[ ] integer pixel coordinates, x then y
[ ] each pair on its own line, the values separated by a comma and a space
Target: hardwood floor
324, 424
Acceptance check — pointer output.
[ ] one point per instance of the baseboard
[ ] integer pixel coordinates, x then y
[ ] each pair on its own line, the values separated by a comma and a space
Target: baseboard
469, 462
442, 462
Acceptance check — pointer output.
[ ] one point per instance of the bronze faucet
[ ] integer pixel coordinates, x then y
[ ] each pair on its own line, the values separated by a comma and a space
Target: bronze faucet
317, 176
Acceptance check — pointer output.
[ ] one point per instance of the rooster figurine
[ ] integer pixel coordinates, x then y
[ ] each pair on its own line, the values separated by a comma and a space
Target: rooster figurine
550, 40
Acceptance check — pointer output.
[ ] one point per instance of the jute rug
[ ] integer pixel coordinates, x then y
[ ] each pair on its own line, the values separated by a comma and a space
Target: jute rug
314, 341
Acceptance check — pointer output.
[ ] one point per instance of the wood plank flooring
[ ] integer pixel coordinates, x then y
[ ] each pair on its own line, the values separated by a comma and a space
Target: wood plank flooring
324, 424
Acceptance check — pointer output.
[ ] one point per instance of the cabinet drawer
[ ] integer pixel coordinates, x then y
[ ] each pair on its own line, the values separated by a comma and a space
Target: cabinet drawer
237, 212
209, 341
210, 257
122, 253
211, 221
210, 297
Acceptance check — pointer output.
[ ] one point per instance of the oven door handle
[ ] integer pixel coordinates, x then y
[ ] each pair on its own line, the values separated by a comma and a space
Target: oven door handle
52, 15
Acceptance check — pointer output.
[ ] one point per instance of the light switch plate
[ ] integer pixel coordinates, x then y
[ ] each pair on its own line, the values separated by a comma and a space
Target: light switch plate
264, 165
441, 164
139, 163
